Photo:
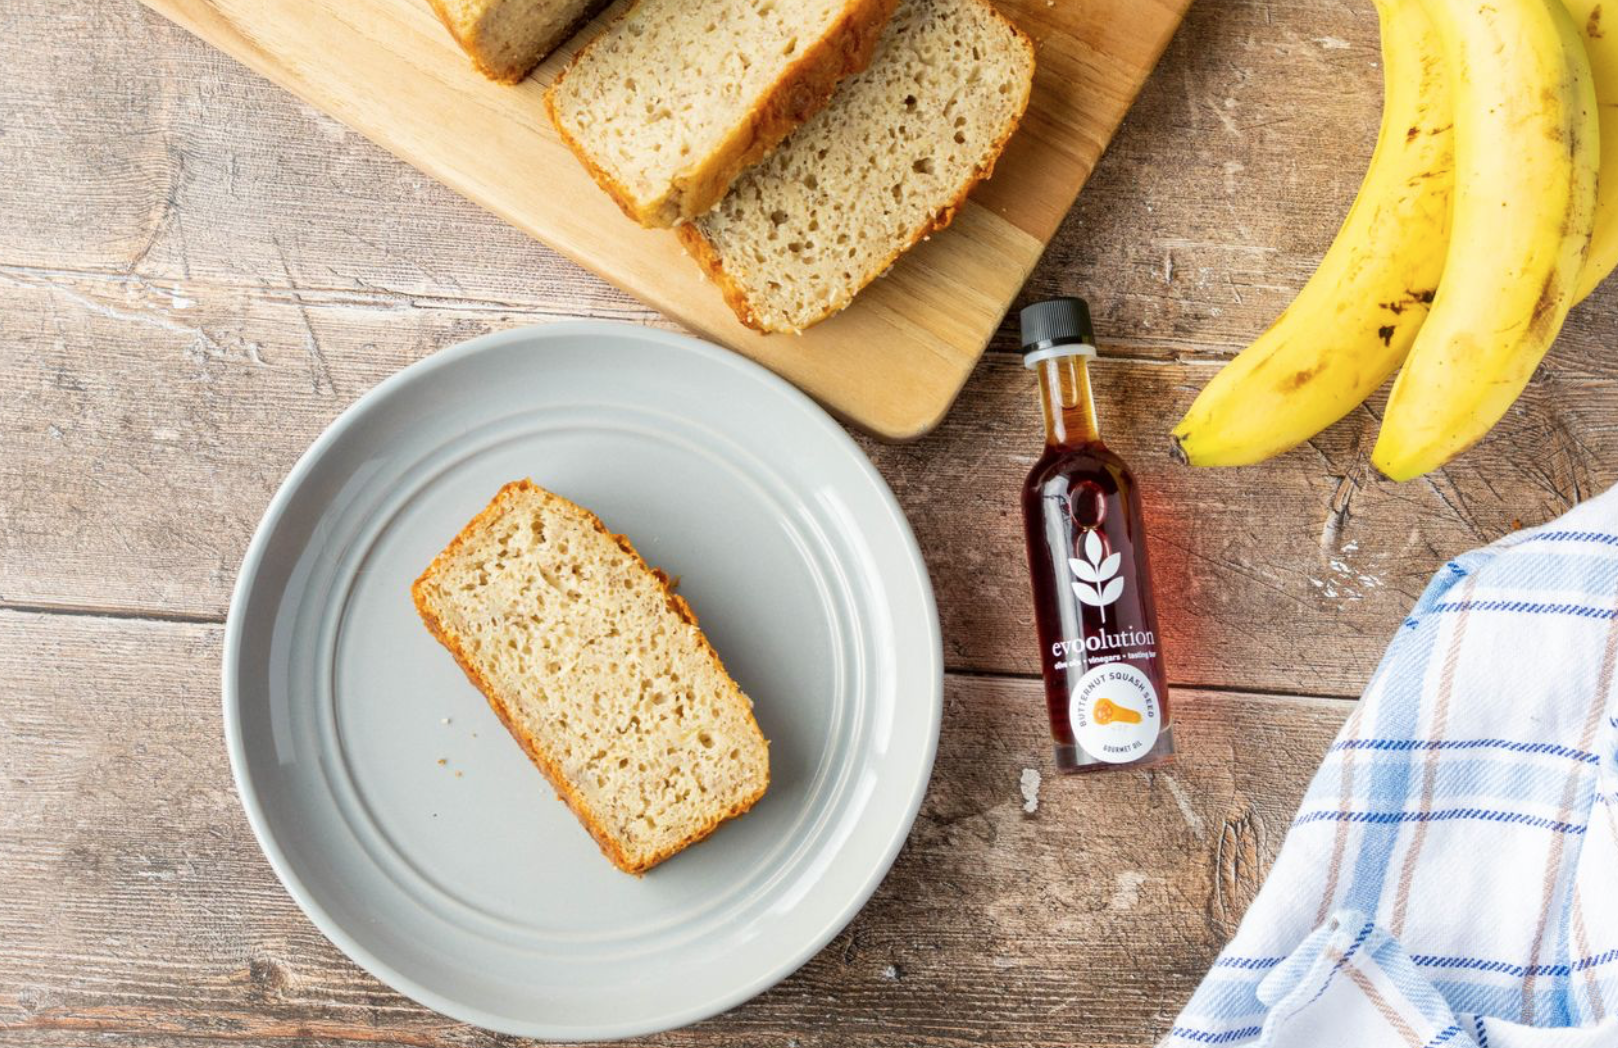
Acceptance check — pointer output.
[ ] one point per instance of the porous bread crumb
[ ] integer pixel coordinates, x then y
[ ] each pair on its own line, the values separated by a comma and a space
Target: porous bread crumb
599, 672
676, 97
507, 38
885, 164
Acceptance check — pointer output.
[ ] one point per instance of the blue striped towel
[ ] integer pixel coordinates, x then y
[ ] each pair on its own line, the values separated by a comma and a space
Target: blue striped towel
1452, 875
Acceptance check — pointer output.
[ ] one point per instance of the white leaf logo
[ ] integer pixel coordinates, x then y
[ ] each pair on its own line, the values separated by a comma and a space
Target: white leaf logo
1097, 585
1087, 594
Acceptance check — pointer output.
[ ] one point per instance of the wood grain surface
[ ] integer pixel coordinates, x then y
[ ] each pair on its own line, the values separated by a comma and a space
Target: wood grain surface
891, 363
135, 903
198, 272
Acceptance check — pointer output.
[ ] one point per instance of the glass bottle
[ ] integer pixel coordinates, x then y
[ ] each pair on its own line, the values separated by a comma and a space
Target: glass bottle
1105, 686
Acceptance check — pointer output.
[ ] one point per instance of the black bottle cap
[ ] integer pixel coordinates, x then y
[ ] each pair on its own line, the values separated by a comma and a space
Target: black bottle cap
1056, 322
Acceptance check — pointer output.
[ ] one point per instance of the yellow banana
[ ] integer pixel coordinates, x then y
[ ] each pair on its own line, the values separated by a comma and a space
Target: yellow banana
1526, 145
1355, 319
1600, 35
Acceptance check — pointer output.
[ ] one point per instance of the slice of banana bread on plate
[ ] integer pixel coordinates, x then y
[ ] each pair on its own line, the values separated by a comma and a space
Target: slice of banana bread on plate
600, 673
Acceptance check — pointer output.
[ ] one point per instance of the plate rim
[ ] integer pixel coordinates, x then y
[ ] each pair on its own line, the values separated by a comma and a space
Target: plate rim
252, 563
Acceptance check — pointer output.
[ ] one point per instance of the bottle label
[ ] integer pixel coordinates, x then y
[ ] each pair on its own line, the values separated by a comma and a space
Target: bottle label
1115, 713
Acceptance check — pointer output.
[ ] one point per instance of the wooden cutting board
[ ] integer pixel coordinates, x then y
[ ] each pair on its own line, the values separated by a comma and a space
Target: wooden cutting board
890, 364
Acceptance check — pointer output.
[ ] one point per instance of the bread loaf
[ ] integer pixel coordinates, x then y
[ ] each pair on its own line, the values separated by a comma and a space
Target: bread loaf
599, 671
889, 161
676, 97
508, 38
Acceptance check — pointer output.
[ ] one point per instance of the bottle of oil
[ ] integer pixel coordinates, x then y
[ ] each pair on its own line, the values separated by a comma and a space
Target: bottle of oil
1105, 686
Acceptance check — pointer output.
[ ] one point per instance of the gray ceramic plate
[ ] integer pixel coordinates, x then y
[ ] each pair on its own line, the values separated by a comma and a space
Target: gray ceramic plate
405, 821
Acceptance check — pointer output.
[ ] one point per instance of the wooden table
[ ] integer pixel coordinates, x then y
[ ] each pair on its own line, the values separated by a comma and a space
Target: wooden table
198, 272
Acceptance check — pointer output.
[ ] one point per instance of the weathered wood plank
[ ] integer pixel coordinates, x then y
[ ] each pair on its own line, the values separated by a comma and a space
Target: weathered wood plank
162, 157
150, 423
278, 266
136, 909
941, 301
142, 149
1231, 175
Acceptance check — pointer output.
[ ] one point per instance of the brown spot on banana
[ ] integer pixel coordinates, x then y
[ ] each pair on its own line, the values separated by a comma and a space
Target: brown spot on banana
1412, 298
1302, 378
1546, 309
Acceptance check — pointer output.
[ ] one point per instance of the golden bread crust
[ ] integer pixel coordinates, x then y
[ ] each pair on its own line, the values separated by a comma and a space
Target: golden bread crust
702, 250
802, 90
677, 604
509, 73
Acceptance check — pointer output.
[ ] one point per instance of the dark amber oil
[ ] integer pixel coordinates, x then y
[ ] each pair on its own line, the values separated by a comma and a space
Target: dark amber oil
1105, 685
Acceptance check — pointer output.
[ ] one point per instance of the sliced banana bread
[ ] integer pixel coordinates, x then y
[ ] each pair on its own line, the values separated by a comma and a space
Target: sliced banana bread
675, 98
599, 671
508, 38
889, 161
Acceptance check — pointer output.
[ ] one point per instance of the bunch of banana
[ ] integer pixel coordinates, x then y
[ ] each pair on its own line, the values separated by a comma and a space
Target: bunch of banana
1478, 226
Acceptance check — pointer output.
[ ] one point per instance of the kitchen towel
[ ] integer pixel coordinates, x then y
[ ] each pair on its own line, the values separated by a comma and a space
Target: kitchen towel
1452, 876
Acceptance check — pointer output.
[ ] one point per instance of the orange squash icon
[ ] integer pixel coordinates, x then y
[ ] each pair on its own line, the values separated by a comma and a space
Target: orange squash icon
1107, 712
